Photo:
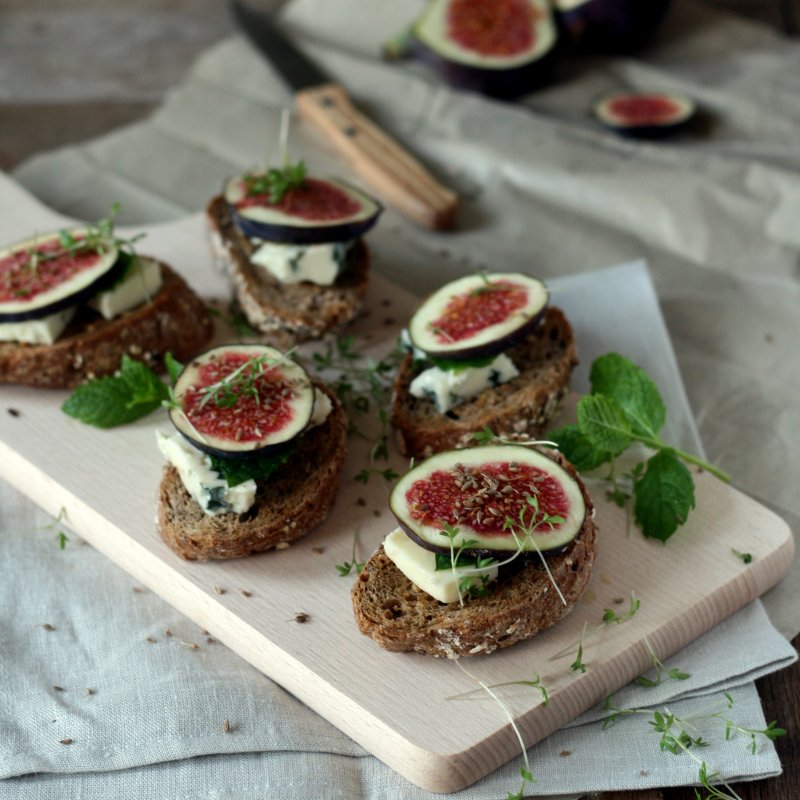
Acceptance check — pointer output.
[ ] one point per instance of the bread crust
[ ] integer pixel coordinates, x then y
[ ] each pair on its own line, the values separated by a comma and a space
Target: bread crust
285, 313
400, 617
294, 501
525, 405
175, 320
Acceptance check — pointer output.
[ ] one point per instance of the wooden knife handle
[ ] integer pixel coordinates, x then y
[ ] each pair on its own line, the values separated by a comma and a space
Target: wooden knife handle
389, 170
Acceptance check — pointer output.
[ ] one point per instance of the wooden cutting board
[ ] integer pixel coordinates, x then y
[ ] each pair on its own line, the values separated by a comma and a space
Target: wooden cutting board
395, 705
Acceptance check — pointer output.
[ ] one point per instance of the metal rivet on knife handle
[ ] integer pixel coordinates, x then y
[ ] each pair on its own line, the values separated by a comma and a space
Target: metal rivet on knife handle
385, 166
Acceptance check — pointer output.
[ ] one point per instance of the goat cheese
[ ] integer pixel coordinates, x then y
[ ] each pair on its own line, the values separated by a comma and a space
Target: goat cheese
44, 330
209, 489
419, 566
141, 283
293, 263
448, 388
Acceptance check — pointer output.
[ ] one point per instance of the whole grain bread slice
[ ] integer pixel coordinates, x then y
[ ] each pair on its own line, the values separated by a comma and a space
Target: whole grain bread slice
290, 504
174, 320
525, 405
400, 617
285, 313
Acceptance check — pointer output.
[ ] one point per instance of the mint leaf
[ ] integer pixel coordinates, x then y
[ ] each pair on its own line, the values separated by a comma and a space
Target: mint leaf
615, 376
117, 400
603, 423
664, 495
173, 366
257, 468
578, 449
459, 365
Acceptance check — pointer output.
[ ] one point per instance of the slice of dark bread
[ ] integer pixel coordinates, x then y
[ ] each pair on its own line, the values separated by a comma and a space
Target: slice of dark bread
174, 320
295, 499
285, 313
525, 405
401, 617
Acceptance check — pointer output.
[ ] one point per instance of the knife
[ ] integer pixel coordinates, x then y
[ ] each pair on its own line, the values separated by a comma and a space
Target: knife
382, 163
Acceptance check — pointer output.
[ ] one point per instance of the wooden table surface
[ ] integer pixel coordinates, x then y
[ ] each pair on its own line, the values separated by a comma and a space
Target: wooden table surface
49, 98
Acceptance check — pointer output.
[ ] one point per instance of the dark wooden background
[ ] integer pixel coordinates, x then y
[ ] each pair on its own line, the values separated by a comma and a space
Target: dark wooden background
75, 69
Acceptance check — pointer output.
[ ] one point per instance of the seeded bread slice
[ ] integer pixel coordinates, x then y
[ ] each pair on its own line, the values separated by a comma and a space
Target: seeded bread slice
525, 405
175, 320
401, 617
294, 501
285, 313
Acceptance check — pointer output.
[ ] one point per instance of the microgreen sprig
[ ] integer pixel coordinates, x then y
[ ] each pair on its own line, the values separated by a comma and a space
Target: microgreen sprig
533, 683
276, 182
55, 525
673, 673
346, 567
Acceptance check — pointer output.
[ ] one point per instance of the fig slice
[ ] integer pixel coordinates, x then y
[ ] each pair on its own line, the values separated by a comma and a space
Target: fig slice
39, 276
644, 114
499, 47
478, 316
240, 400
475, 491
320, 210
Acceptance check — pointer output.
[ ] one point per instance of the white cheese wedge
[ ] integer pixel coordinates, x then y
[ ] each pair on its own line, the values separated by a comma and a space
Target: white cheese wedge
37, 331
141, 283
293, 263
419, 566
448, 388
209, 489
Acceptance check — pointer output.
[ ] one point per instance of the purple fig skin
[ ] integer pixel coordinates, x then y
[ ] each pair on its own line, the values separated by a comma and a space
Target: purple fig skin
287, 234
482, 552
503, 84
612, 26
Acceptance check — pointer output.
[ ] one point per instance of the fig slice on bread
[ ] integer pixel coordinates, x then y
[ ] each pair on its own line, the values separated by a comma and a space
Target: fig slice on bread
463, 494
501, 499
239, 400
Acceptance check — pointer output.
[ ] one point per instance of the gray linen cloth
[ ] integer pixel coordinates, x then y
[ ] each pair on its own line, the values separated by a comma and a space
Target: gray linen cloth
545, 192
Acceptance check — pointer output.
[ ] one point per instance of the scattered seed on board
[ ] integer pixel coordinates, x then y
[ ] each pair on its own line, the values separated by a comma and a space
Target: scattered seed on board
219, 590
167, 632
88, 692
226, 726
58, 688
245, 593
65, 741
14, 412
302, 616
48, 627
150, 640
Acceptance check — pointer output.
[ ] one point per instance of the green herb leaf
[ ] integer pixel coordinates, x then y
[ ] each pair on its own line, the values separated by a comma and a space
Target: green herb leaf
664, 495
461, 364
116, 400
604, 424
578, 449
613, 375
239, 470
276, 182
174, 367
746, 558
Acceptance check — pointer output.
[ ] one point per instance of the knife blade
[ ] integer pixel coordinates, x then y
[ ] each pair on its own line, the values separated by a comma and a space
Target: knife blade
387, 168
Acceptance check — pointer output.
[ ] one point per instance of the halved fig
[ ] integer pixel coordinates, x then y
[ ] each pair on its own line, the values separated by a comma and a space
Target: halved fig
40, 276
318, 211
475, 491
644, 114
478, 316
609, 26
242, 400
498, 47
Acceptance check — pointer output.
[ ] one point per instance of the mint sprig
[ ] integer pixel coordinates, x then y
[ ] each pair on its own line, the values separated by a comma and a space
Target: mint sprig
258, 468
117, 399
625, 407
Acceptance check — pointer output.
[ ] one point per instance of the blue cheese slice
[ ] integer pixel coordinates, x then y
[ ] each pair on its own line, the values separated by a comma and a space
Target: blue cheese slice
208, 488
419, 566
448, 388
293, 263
37, 331
141, 283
